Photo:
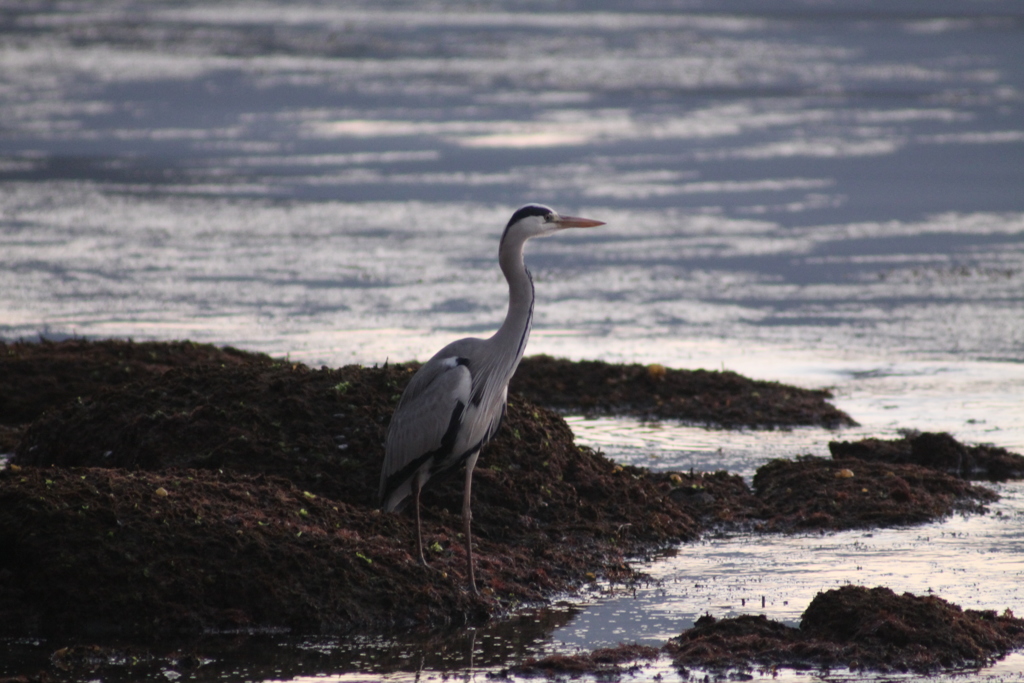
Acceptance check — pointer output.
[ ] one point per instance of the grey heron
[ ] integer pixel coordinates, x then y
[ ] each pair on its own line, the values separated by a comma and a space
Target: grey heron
455, 402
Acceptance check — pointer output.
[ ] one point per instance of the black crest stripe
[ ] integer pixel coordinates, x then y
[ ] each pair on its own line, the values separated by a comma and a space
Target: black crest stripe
524, 212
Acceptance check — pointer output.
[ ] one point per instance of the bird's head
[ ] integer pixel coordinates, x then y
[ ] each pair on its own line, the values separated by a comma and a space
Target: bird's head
537, 220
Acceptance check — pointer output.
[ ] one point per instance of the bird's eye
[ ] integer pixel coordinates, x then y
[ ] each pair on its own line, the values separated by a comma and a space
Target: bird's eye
550, 218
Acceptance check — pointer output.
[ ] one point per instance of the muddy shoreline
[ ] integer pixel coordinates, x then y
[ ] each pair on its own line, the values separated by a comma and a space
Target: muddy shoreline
169, 489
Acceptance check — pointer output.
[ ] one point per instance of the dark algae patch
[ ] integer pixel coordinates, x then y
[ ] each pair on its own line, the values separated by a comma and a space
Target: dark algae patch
723, 399
857, 628
936, 451
818, 493
108, 551
811, 493
318, 428
35, 377
605, 662
38, 376
102, 551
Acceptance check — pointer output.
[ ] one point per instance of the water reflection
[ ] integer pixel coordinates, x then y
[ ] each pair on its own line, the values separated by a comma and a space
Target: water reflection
281, 657
971, 561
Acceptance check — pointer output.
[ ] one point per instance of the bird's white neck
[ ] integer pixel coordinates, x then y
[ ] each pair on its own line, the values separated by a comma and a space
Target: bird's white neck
513, 334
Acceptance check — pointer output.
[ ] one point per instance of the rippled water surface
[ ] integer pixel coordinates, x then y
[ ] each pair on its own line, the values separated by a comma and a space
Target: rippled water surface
822, 193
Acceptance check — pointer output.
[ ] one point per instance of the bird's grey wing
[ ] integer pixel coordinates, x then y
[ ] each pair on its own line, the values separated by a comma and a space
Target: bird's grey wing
424, 424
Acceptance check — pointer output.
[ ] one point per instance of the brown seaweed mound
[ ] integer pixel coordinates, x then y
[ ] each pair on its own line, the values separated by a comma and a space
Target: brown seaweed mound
323, 430
35, 377
706, 397
605, 662
938, 451
818, 493
114, 552
307, 445
104, 552
177, 488
811, 493
858, 628
40, 375
718, 499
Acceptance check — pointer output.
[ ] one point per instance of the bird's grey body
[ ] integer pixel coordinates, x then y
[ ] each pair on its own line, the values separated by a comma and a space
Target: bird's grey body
455, 402
449, 410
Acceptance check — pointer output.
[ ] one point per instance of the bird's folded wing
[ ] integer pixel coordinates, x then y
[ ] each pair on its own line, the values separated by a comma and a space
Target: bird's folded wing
431, 408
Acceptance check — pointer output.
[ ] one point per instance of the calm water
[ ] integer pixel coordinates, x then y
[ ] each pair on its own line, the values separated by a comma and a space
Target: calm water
821, 193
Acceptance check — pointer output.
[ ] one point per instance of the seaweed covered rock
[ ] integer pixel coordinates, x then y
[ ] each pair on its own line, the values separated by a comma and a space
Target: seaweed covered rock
858, 628
811, 493
938, 451
107, 552
740, 643
37, 376
145, 491
706, 397
717, 499
909, 631
605, 662
818, 493
111, 552
548, 515
324, 429
321, 429
533, 484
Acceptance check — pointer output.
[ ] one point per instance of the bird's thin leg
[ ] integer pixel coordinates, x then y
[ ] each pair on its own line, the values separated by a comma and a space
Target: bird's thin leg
469, 551
467, 519
419, 532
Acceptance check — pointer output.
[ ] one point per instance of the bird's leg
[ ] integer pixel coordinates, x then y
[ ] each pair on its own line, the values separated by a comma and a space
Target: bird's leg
419, 533
467, 518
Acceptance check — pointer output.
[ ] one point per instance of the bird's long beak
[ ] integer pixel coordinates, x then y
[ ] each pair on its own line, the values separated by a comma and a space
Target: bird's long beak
574, 222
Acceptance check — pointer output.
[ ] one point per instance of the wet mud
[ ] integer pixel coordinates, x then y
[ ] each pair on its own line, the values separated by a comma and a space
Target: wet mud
166, 489
857, 628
